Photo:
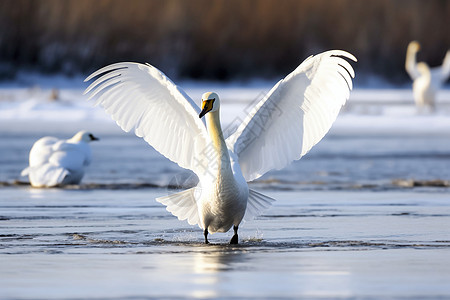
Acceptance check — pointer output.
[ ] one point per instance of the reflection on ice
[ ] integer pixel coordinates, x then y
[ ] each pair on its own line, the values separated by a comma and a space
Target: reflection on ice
209, 271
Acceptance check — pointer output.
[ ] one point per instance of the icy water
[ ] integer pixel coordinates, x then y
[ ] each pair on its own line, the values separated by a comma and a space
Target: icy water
85, 244
365, 215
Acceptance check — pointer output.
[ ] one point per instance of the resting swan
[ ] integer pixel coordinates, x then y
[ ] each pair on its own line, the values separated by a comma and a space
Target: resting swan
294, 116
55, 162
426, 81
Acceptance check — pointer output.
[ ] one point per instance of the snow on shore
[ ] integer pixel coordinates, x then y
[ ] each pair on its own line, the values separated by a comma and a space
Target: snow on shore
369, 111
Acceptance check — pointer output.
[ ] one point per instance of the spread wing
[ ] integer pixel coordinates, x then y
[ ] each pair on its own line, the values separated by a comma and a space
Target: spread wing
442, 73
142, 98
294, 116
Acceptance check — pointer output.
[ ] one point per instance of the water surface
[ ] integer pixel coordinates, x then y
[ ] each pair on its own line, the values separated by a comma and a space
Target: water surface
122, 244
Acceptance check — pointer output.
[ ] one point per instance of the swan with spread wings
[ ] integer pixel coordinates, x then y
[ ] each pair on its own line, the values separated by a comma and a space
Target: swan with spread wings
293, 117
426, 81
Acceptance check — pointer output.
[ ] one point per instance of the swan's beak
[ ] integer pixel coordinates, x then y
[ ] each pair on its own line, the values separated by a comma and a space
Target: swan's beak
207, 105
93, 138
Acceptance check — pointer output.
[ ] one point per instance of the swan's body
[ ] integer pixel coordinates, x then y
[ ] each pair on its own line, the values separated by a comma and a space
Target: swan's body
426, 81
284, 126
55, 162
423, 89
223, 191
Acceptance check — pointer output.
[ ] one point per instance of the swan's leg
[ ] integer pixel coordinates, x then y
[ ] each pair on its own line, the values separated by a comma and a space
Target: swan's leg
234, 239
206, 236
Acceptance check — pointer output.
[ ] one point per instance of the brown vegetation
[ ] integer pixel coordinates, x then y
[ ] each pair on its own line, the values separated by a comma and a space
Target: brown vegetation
219, 39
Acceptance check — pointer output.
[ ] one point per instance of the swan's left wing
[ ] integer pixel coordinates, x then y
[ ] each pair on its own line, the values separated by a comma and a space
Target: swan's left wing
142, 98
440, 74
70, 156
294, 115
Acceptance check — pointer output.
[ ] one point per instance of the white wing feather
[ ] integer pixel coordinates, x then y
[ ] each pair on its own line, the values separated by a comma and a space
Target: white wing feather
294, 115
142, 98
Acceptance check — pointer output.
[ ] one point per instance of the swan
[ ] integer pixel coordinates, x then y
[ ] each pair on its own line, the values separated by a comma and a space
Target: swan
56, 162
426, 81
294, 116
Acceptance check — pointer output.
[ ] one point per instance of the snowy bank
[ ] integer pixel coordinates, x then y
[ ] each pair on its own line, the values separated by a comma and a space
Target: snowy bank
369, 111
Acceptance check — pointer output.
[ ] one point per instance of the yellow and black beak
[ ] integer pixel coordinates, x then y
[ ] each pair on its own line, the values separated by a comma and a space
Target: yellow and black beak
93, 138
207, 105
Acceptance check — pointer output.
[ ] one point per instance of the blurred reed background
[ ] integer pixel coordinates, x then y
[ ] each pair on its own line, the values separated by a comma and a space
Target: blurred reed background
221, 39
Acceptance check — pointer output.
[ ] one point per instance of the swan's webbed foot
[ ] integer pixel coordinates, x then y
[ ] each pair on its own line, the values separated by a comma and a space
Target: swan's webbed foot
205, 233
235, 240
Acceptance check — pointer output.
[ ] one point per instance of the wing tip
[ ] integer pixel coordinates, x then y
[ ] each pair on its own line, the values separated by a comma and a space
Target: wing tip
111, 67
341, 53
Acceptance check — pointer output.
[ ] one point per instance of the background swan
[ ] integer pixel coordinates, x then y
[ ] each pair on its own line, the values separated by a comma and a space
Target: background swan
55, 162
426, 81
294, 116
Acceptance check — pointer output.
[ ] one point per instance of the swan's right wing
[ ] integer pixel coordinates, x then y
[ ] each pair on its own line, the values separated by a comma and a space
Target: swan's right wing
142, 98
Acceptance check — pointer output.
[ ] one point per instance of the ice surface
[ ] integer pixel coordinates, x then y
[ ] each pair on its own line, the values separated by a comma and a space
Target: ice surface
66, 244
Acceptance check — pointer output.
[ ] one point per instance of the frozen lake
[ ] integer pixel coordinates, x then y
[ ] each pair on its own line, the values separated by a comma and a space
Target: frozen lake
80, 244
364, 215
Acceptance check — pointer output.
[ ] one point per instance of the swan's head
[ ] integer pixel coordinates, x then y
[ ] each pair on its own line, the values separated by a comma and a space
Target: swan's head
84, 136
414, 46
210, 102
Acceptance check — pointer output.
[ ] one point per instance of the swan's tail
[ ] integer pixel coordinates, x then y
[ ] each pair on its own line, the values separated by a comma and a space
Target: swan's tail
257, 204
182, 205
45, 175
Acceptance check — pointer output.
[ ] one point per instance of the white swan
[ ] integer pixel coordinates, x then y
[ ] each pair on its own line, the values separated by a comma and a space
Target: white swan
426, 81
282, 127
55, 162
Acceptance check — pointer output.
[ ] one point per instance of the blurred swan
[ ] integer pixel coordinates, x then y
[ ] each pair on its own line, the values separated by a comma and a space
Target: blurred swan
294, 116
426, 81
55, 162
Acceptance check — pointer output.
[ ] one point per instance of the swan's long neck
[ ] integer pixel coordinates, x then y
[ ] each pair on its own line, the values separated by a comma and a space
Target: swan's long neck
411, 57
218, 142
